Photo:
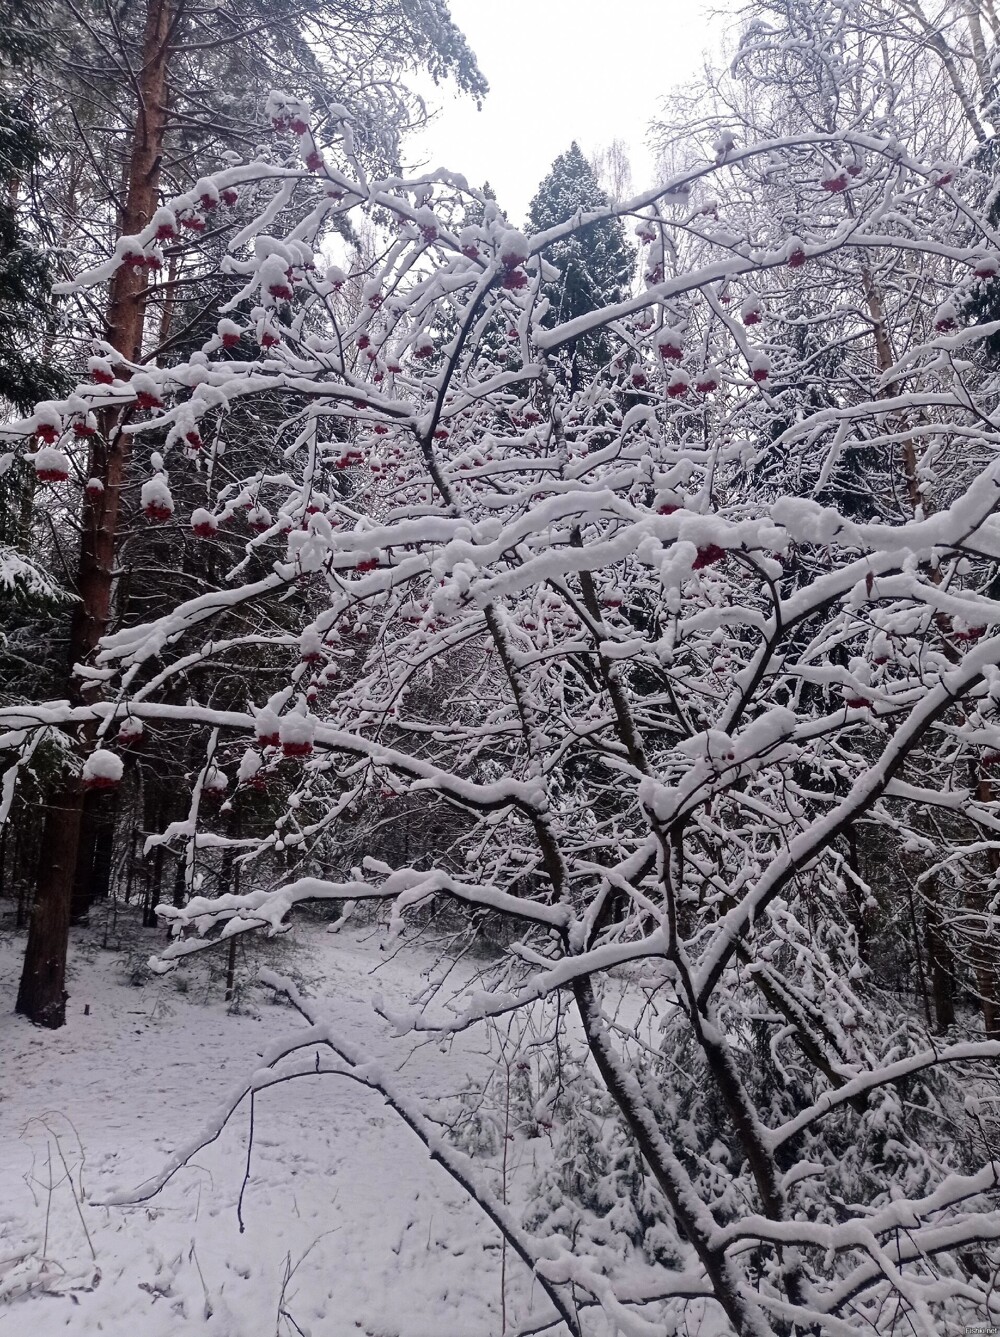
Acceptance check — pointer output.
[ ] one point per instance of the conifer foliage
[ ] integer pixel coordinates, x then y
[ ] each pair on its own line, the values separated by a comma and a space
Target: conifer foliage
595, 262
27, 308
26, 305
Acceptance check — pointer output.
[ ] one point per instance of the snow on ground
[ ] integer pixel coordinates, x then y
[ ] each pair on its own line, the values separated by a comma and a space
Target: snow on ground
350, 1230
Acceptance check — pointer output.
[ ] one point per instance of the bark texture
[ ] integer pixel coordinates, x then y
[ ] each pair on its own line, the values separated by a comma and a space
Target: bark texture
42, 993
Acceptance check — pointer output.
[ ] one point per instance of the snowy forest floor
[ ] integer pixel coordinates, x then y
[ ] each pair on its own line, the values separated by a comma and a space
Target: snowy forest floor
351, 1231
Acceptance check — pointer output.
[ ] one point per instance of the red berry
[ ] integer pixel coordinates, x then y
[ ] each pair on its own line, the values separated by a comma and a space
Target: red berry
296, 749
708, 556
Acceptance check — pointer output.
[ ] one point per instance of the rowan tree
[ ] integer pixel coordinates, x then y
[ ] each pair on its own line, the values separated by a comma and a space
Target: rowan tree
661, 702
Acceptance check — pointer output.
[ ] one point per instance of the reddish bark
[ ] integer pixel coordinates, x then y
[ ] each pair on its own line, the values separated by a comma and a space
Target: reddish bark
42, 995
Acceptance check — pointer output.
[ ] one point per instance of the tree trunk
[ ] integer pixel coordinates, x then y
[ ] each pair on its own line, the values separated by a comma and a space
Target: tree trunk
982, 958
42, 992
983, 937
24, 868
940, 960
133, 859
42, 995
179, 897
95, 854
154, 888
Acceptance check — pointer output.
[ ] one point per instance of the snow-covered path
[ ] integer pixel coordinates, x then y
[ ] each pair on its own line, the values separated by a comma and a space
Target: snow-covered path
380, 1240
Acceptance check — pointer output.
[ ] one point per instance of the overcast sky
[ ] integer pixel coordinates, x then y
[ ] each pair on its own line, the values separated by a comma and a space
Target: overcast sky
561, 70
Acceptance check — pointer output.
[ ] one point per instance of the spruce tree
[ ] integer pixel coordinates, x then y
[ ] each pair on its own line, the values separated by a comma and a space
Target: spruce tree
27, 311
595, 264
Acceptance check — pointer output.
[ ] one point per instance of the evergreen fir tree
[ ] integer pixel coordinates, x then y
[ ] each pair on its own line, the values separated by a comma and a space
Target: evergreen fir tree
26, 305
595, 264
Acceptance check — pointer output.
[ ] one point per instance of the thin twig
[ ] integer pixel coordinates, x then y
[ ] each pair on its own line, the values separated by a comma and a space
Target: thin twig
246, 1174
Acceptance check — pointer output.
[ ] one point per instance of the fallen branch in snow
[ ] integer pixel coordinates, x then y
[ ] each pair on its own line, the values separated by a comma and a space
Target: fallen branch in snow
354, 1066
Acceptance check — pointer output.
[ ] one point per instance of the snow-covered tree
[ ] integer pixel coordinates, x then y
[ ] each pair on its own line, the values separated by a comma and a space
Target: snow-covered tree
595, 264
802, 63
196, 73
659, 700
613, 170
27, 314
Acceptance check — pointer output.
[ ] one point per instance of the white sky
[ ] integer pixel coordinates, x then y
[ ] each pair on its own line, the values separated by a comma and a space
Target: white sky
559, 70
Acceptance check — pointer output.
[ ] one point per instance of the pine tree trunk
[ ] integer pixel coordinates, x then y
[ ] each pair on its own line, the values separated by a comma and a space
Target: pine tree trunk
42, 992
42, 996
